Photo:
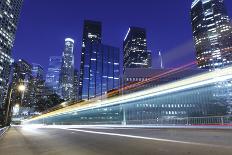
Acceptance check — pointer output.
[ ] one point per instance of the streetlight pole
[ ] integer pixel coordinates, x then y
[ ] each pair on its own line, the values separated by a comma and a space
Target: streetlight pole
8, 108
20, 88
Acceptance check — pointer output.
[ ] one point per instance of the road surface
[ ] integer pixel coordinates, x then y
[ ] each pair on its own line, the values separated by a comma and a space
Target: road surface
115, 141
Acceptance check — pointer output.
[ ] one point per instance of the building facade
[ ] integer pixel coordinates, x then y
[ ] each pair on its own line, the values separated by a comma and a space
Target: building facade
53, 74
37, 71
135, 50
212, 33
38, 83
92, 33
67, 70
76, 85
101, 70
9, 16
22, 75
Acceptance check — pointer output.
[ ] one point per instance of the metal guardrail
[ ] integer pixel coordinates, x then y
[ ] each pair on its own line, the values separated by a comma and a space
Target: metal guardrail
3, 131
213, 120
188, 121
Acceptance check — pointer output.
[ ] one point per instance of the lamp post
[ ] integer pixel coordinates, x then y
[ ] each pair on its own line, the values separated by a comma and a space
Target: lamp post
21, 88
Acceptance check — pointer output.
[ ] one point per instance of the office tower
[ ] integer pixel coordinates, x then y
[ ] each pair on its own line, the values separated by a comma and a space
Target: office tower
149, 58
212, 33
101, 70
9, 16
92, 33
135, 49
38, 83
53, 74
22, 75
37, 71
67, 70
75, 85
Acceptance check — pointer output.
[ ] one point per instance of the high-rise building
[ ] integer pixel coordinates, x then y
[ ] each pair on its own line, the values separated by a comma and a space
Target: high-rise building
135, 50
75, 85
101, 70
53, 74
38, 82
92, 33
37, 71
22, 75
9, 16
212, 33
67, 70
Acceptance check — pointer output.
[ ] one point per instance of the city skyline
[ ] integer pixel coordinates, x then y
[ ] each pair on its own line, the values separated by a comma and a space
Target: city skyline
159, 32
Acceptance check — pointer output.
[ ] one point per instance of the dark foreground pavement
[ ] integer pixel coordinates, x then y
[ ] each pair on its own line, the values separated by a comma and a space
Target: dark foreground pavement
115, 141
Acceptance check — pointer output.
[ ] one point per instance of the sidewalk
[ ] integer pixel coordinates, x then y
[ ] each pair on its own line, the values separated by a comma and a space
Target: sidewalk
14, 143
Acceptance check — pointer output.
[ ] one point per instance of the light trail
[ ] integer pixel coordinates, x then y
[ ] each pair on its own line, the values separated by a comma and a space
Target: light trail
185, 84
154, 78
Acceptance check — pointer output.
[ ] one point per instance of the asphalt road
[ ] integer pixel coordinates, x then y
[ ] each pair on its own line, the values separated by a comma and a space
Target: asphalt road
115, 141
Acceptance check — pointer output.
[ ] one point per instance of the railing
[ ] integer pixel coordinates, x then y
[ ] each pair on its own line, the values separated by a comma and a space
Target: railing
3, 130
215, 120
188, 121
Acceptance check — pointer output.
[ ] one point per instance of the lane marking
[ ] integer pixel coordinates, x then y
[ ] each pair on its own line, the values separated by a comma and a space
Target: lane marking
145, 138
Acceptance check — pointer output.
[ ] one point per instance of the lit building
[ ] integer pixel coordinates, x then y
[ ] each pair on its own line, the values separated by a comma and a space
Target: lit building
91, 34
75, 85
212, 33
22, 75
101, 70
67, 70
53, 74
37, 71
9, 16
38, 82
136, 54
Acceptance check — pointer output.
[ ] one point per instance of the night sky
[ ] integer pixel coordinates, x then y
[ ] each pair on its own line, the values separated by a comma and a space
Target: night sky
44, 24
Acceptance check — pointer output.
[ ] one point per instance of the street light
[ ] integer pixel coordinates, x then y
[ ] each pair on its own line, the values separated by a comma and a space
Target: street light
21, 88
16, 109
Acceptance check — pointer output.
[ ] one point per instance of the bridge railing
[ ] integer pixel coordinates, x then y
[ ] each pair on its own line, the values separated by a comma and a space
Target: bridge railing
187, 121
214, 120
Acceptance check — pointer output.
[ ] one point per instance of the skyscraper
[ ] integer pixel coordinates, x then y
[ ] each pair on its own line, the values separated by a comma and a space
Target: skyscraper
75, 85
91, 34
212, 33
53, 74
22, 75
38, 83
9, 16
103, 70
67, 70
135, 49
37, 71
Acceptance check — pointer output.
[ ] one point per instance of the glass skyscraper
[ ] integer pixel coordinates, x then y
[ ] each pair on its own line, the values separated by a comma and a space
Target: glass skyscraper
212, 33
67, 70
101, 70
9, 16
135, 50
37, 71
91, 34
75, 85
53, 74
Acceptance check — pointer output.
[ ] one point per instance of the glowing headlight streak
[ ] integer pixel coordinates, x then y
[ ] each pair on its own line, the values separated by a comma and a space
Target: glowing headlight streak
189, 83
